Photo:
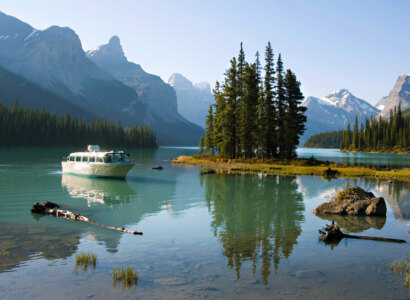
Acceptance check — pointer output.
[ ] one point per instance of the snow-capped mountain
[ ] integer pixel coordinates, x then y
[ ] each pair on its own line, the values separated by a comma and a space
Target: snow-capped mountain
348, 102
334, 111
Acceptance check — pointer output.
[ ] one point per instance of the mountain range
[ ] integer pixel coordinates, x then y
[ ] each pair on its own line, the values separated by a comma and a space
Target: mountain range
193, 99
100, 83
335, 110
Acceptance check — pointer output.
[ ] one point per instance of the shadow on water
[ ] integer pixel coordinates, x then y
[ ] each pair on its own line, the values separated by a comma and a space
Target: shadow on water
256, 219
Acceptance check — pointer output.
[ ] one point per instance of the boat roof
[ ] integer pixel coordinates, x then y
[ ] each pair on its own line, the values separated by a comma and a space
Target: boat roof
96, 153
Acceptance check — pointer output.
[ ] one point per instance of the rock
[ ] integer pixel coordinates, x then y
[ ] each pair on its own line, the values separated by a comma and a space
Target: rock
330, 173
354, 201
309, 274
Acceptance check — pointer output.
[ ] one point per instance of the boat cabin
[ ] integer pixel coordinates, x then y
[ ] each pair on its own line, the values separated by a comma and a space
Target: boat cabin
99, 157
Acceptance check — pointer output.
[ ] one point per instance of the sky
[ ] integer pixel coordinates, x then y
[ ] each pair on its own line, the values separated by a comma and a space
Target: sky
359, 45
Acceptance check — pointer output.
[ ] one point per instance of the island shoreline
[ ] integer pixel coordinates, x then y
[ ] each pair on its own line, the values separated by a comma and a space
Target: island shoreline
295, 167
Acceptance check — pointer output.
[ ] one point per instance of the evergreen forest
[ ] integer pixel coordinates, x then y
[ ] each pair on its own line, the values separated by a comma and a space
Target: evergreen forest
330, 139
258, 110
26, 127
379, 135
376, 135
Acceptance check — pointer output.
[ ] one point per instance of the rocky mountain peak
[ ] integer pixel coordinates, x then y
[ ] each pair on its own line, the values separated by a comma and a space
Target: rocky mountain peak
179, 81
203, 86
112, 51
399, 95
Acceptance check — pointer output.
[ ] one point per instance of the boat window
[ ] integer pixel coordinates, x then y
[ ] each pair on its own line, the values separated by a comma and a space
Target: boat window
71, 158
118, 157
126, 157
84, 159
92, 159
108, 158
78, 158
100, 159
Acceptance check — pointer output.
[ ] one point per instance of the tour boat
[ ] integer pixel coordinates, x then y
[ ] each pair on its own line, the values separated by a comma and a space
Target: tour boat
96, 163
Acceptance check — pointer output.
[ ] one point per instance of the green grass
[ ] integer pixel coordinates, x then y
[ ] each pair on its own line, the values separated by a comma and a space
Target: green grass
402, 268
127, 275
83, 260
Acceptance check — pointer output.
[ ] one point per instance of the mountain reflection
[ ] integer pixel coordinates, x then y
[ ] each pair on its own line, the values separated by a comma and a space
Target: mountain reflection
257, 219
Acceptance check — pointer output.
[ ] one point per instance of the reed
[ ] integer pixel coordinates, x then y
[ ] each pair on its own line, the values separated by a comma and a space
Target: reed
83, 260
127, 276
402, 268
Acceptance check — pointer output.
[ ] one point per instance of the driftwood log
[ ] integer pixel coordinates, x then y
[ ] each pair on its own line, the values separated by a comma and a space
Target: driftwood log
331, 234
50, 208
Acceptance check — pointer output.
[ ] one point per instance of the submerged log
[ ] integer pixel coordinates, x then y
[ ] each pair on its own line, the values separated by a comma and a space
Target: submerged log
331, 234
50, 208
158, 168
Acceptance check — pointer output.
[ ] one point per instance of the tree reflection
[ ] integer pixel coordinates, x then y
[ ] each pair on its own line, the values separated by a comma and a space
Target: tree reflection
257, 219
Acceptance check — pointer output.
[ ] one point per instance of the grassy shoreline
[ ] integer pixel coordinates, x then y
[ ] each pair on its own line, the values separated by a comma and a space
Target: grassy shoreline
309, 167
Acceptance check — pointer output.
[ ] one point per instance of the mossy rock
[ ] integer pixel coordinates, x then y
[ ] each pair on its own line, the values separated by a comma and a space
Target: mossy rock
354, 201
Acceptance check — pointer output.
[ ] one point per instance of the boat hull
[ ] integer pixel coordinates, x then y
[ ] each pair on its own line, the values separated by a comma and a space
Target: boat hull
114, 170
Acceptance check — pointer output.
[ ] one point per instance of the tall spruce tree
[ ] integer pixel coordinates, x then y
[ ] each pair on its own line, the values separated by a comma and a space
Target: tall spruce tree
248, 110
295, 117
230, 114
210, 131
270, 133
281, 107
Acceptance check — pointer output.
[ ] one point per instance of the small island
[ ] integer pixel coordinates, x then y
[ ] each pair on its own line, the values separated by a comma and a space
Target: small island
301, 166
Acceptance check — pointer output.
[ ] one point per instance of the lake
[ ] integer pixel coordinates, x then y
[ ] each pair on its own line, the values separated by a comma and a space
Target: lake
211, 236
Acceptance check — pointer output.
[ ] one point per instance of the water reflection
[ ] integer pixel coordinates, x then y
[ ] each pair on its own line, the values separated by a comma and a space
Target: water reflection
355, 224
97, 190
256, 219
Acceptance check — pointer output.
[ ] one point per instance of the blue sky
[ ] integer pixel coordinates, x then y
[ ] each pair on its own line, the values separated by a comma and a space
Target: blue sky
359, 45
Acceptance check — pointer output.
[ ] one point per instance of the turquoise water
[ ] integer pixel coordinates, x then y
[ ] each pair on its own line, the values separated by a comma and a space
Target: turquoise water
212, 236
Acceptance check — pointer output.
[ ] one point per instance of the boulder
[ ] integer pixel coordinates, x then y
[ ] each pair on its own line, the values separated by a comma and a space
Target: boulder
354, 201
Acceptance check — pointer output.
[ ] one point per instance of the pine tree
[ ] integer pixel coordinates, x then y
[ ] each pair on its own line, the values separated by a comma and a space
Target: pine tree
295, 118
230, 113
248, 110
201, 145
281, 107
210, 131
355, 141
270, 134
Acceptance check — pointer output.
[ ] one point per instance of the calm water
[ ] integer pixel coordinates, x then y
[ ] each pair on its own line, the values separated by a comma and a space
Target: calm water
215, 236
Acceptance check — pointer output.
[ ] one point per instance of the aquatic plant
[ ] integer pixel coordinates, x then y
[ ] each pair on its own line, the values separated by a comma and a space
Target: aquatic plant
402, 268
83, 260
127, 275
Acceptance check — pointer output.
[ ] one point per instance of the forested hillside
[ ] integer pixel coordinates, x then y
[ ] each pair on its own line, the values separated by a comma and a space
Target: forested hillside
379, 134
26, 127
329, 139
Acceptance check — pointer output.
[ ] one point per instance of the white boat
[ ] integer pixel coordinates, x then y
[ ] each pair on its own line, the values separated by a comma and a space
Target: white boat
96, 163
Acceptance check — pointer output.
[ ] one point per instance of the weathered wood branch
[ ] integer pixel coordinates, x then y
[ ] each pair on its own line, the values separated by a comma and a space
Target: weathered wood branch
50, 208
331, 234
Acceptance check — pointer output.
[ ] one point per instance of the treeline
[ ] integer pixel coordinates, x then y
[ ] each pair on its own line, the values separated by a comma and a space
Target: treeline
26, 127
379, 135
329, 139
255, 115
